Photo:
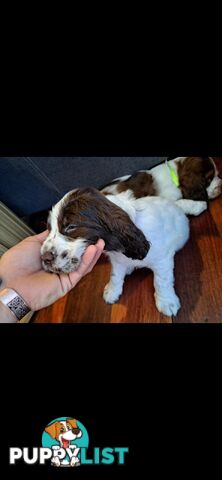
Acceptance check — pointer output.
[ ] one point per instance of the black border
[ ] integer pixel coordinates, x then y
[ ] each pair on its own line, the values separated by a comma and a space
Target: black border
154, 388
141, 386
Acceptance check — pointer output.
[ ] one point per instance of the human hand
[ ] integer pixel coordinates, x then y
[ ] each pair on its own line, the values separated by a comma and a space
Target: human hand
21, 270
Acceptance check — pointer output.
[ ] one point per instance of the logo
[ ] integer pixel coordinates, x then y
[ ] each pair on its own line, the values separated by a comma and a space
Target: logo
65, 437
65, 442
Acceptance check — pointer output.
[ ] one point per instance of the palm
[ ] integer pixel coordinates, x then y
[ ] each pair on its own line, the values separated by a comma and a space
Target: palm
21, 267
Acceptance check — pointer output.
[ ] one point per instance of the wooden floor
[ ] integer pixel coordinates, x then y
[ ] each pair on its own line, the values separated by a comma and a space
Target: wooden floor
198, 282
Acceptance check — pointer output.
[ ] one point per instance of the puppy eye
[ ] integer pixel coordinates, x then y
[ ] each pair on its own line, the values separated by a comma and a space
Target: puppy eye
61, 430
69, 228
209, 180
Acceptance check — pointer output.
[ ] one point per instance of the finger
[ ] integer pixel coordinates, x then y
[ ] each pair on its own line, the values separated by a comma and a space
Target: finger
90, 257
100, 244
41, 236
99, 248
96, 258
87, 259
84, 265
32, 239
87, 263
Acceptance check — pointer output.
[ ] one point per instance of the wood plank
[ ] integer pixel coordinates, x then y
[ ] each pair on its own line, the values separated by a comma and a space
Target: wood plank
84, 304
136, 304
199, 270
52, 314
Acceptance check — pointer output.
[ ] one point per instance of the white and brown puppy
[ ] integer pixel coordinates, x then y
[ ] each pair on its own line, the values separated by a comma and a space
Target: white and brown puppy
197, 181
64, 432
144, 232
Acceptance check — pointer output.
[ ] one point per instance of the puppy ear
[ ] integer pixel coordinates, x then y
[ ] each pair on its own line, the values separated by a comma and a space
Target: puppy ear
191, 172
51, 430
72, 422
125, 237
192, 188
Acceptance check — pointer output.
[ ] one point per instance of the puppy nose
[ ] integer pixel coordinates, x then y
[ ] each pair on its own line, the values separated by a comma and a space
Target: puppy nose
47, 257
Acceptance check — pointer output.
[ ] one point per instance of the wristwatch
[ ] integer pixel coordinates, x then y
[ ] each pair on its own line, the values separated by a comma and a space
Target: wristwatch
11, 299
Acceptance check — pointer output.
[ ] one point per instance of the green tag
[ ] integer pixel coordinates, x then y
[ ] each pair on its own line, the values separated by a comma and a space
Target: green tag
174, 176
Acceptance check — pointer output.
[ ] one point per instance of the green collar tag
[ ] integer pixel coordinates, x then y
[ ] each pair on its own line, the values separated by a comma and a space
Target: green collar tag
174, 176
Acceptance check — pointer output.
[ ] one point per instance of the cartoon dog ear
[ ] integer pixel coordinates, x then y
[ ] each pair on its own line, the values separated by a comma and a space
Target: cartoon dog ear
72, 422
75, 427
51, 430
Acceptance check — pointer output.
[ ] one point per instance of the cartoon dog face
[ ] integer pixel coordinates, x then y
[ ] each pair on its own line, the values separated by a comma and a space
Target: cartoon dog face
64, 431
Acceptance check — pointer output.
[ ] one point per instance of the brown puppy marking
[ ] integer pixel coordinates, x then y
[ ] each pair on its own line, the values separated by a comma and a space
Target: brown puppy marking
141, 183
195, 175
88, 214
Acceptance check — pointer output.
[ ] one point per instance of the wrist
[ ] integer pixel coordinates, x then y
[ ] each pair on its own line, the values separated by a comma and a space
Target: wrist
6, 316
13, 306
16, 285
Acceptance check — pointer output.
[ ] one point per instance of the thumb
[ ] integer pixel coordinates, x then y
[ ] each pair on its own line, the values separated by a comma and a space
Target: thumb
88, 261
41, 236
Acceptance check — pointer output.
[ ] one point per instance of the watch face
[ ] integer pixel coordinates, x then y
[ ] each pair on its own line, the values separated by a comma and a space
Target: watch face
18, 307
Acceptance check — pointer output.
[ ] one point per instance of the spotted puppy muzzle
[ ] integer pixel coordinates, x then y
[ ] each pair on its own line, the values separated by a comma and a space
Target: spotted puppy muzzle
55, 263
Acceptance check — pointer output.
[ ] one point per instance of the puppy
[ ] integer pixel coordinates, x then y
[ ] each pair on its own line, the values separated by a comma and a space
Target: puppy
64, 432
144, 232
188, 181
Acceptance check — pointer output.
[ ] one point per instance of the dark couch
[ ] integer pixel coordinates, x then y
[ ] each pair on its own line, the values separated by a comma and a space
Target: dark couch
32, 184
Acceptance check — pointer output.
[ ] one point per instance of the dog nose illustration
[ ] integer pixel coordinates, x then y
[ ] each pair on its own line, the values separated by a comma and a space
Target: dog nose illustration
76, 430
47, 257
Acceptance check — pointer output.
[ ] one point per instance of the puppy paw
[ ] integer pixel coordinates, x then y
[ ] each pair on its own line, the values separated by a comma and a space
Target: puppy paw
74, 462
55, 462
199, 207
168, 306
110, 294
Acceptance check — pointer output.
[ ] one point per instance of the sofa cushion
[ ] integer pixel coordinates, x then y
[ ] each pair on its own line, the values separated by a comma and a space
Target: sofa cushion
32, 184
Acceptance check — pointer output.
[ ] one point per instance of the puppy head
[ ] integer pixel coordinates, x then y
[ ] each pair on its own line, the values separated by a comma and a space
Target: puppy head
199, 178
64, 431
80, 219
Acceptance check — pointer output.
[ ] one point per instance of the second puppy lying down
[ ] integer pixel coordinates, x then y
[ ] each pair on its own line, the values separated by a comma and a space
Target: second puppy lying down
188, 181
146, 232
